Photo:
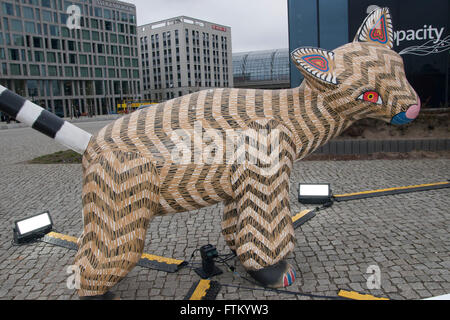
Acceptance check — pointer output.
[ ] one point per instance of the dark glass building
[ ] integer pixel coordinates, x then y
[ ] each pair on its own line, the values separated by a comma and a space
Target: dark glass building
421, 36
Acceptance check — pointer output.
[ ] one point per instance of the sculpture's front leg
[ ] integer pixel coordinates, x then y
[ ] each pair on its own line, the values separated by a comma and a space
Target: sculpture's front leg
264, 230
229, 222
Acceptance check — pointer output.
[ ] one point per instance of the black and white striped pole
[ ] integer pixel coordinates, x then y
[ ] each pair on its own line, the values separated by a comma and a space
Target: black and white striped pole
43, 121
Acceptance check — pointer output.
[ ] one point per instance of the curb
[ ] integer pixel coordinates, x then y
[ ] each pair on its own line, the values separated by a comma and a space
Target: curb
339, 147
371, 146
73, 120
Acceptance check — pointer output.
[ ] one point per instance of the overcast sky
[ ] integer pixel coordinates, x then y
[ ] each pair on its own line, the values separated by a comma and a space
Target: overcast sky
255, 24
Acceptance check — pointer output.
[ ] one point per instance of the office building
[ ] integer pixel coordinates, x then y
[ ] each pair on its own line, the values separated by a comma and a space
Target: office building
421, 36
89, 69
184, 55
266, 69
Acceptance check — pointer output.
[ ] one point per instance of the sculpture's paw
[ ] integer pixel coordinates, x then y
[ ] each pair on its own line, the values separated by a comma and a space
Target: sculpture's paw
279, 275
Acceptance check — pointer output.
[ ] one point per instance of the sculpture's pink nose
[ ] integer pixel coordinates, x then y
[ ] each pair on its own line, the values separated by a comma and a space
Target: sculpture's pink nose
414, 110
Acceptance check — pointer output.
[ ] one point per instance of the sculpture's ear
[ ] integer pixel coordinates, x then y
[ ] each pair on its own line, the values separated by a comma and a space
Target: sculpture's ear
317, 64
377, 28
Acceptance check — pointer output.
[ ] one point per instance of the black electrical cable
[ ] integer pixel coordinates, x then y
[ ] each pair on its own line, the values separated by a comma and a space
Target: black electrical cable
225, 258
35, 239
192, 256
233, 269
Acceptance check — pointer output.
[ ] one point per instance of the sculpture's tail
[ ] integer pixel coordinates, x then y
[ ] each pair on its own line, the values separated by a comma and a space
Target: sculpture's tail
43, 121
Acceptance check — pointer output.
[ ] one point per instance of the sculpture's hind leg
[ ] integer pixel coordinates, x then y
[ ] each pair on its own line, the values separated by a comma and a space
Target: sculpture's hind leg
260, 181
264, 230
229, 223
120, 197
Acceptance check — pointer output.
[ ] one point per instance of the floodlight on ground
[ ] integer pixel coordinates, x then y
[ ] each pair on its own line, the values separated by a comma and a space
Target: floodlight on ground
32, 228
314, 193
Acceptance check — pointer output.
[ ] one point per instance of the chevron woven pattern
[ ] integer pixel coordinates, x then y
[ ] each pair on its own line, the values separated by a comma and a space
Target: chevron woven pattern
120, 196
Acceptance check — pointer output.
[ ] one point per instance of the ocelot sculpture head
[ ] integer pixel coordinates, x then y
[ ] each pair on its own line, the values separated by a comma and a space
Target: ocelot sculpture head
364, 78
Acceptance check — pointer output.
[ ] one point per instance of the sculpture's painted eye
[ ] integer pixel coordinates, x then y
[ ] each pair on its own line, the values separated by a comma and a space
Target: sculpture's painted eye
371, 96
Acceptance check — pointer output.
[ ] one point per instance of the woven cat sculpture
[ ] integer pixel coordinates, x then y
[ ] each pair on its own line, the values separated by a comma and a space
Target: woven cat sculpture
230, 146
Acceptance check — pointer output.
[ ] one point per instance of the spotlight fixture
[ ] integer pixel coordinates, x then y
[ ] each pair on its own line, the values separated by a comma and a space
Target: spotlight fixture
314, 193
208, 269
32, 228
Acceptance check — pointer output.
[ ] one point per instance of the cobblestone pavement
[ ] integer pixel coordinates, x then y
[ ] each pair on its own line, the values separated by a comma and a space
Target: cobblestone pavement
406, 236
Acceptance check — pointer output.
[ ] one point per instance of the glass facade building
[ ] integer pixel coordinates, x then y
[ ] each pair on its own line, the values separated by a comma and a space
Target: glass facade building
421, 36
89, 69
266, 69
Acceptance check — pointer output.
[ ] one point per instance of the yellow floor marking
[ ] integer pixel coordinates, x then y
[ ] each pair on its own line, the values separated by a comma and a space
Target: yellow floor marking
201, 289
144, 256
358, 296
301, 215
391, 189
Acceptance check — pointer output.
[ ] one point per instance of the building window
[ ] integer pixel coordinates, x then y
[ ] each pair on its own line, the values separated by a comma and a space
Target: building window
72, 58
54, 31
28, 13
102, 61
106, 14
55, 44
47, 16
108, 25
16, 25
51, 57
15, 69
56, 88
37, 42
30, 27
98, 12
52, 71
39, 56
87, 47
14, 54
8, 8
86, 35
68, 71
4, 69
65, 32
18, 40
46, 3
34, 70
84, 72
